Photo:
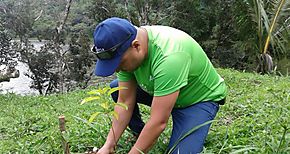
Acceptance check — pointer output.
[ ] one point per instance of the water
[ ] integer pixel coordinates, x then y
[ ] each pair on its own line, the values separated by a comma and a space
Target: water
21, 85
18, 85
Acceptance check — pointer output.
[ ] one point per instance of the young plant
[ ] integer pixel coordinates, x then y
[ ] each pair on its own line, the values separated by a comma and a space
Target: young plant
103, 98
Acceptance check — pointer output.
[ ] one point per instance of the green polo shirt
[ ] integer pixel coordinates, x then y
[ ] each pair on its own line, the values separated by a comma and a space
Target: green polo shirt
176, 61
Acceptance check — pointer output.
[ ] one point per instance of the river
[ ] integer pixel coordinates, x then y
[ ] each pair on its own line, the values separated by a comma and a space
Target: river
18, 85
21, 85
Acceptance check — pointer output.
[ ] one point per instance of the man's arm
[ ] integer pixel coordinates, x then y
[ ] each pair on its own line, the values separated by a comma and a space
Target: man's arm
160, 112
128, 97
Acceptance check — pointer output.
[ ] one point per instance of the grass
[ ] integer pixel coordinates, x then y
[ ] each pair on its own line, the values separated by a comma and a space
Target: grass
255, 119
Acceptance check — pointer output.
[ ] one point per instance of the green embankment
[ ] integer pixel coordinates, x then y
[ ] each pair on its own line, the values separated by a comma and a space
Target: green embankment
255, 118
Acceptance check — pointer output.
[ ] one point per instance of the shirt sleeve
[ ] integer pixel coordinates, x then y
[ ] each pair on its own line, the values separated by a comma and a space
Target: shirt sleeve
172, 73
125, 76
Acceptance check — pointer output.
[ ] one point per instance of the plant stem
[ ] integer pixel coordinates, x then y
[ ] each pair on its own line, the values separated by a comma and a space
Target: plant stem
226, 140
272, 26
282, 138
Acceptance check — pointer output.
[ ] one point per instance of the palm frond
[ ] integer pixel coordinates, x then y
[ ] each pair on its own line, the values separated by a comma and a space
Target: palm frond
270, 18
274, 21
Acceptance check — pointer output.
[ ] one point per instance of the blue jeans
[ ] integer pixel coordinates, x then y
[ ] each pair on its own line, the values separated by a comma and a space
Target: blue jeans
184, 119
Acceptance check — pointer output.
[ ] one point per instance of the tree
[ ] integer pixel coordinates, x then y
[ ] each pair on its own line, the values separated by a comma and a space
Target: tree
40, 64
7, 55
103, 9
52, 68
6, 52
79, 60
227, 51
150, 12
255, 19
189, 16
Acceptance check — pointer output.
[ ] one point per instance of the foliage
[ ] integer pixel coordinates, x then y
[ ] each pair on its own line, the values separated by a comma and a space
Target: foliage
18, 17
232, 36
103, 95
254, 20
6, 52
40, 64
7, 56
53, 68
227, 53
100, 10
277, 12
193, 18
150, 12
59, 68
253, 120
79, 60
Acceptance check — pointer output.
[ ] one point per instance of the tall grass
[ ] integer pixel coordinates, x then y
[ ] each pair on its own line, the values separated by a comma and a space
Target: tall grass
255, 119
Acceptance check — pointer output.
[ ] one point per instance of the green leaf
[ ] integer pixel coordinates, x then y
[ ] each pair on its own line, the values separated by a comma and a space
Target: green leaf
94, 92
88, 99
115, 114
93, 116
124, 106
104, 90
105, 105
99, 91
116, 89
86, 122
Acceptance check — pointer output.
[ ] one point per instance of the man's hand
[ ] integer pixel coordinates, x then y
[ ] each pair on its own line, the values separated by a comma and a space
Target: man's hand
106, 150
128, 97
160, 112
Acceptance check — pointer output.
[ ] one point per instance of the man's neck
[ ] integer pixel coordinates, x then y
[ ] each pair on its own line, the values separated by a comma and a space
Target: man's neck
142, 36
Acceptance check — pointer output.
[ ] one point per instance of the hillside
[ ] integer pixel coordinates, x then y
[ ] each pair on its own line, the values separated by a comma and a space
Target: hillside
255, 118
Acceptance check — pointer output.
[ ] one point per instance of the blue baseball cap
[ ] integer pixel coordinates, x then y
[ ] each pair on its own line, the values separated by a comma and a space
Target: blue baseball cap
112, 37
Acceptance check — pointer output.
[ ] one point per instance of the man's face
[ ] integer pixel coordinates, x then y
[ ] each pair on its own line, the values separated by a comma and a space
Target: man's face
130, 61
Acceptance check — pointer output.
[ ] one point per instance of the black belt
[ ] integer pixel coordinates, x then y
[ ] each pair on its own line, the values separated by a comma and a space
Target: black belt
221, 102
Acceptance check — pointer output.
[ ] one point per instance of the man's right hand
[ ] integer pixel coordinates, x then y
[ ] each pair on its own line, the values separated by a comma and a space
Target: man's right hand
128, 97
105, 150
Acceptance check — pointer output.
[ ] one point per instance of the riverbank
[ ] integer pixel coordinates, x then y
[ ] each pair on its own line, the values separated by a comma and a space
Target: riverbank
21, 85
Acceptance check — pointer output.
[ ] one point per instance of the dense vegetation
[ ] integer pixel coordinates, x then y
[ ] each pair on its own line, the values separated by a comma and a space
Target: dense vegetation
233, 33
255, 118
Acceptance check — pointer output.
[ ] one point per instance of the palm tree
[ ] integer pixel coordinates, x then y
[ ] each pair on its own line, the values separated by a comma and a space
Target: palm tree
270, 20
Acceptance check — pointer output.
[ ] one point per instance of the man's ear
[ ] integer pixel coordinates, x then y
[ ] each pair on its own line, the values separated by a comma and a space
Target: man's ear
135, 44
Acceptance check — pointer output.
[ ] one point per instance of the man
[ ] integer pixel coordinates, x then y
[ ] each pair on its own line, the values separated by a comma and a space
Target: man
164, 68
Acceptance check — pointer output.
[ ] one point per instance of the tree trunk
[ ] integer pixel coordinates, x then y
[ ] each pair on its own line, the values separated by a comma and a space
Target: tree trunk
59, 29
265, 65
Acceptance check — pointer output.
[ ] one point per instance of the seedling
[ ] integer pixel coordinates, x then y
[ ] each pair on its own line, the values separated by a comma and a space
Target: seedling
103, 98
